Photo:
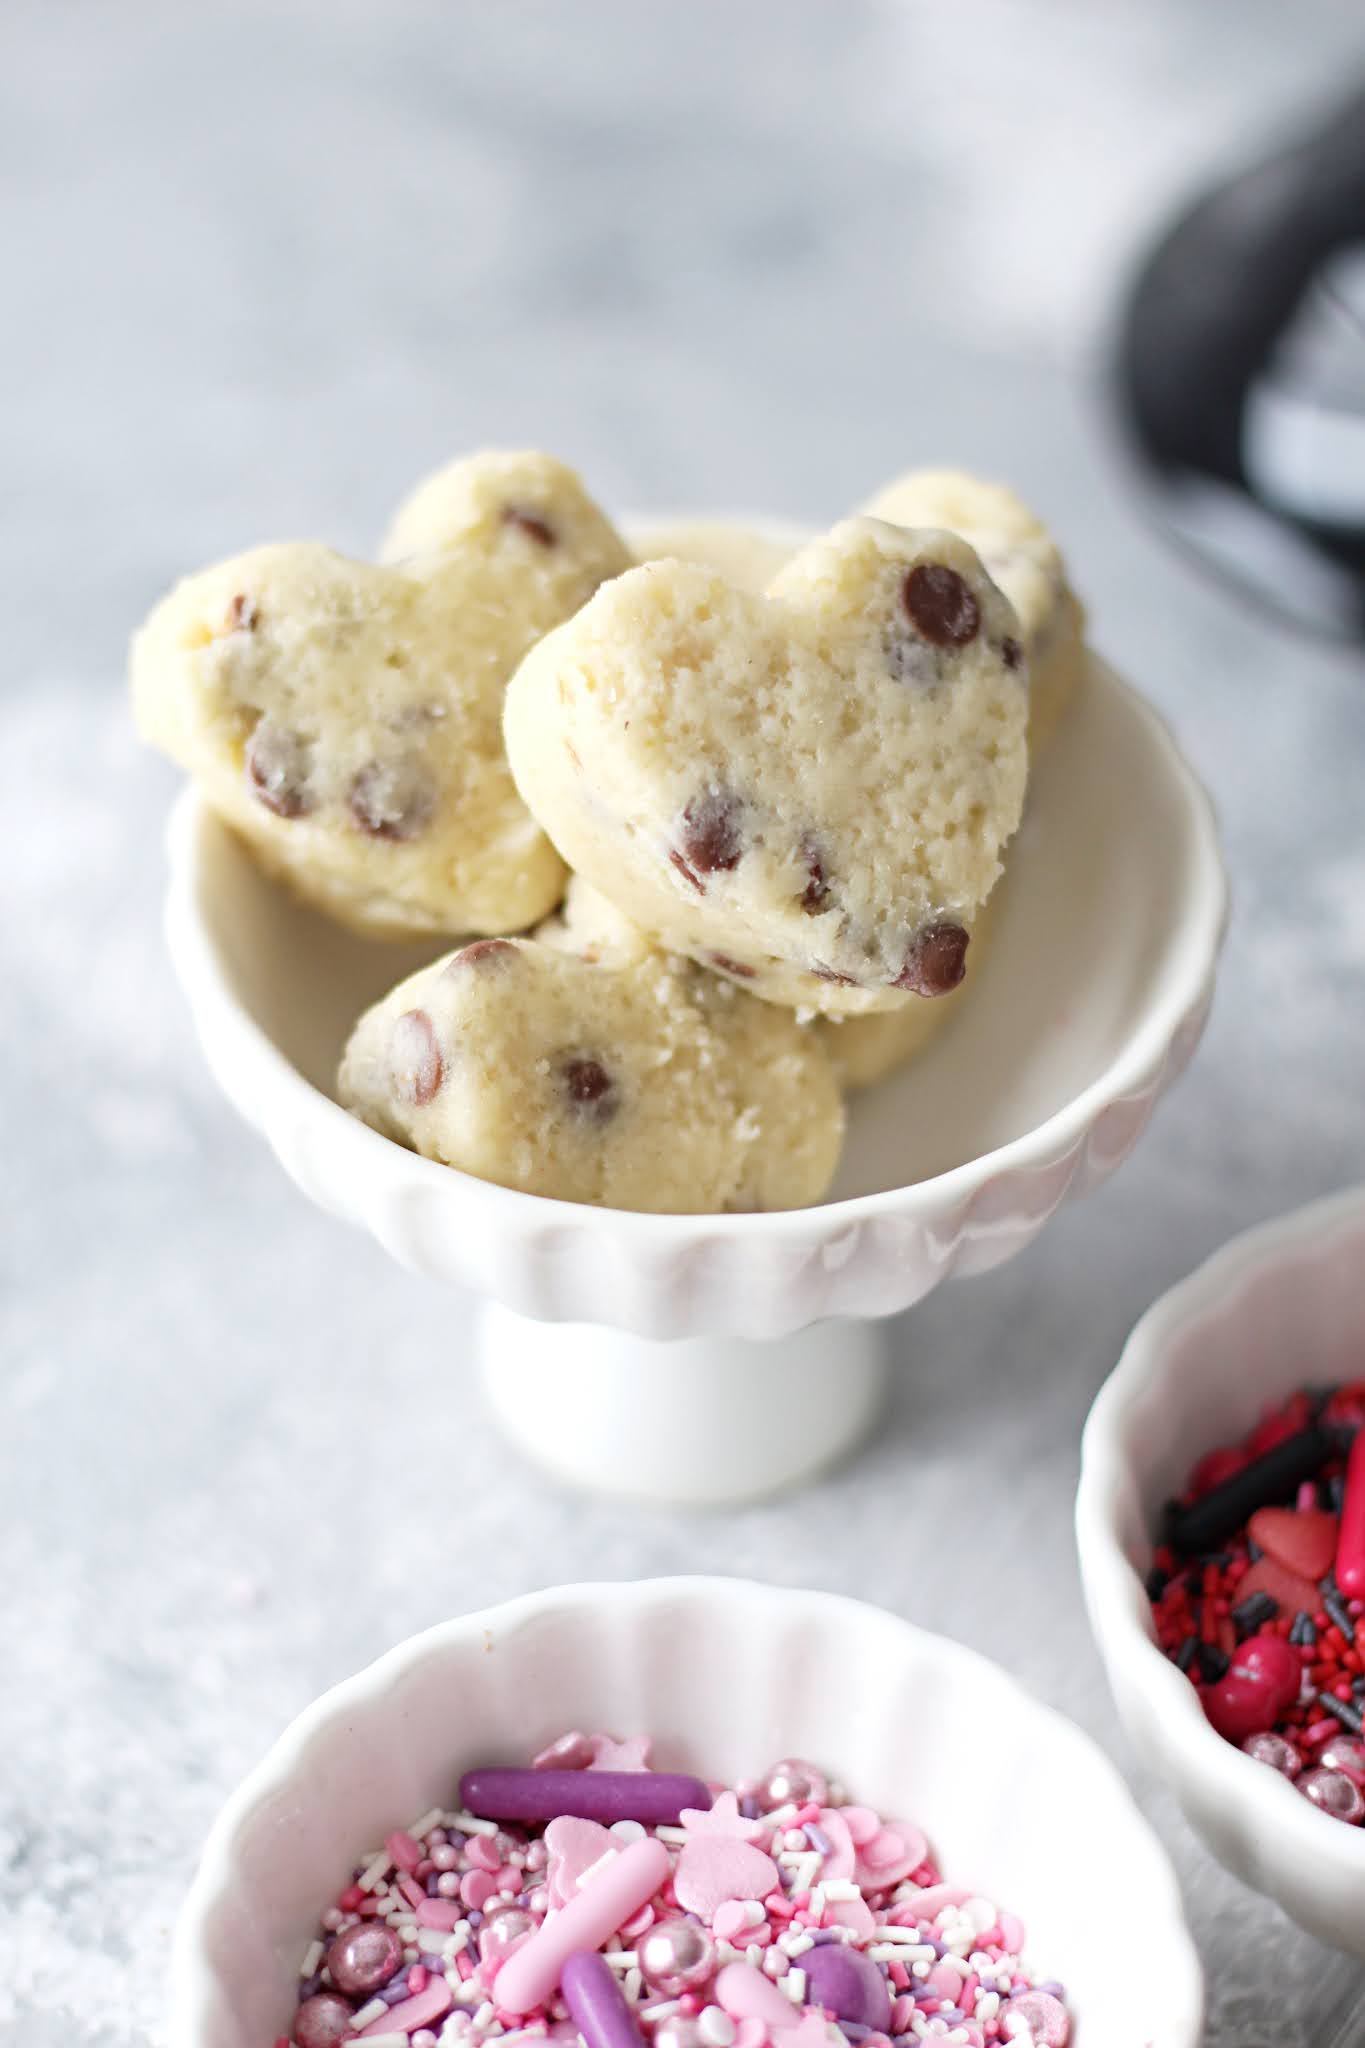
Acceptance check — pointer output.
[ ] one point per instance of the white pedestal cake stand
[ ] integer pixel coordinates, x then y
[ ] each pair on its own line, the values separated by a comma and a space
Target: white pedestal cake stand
717, 1358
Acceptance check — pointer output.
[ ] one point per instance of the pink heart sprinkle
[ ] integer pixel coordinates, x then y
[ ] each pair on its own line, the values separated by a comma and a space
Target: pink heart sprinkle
477, 1887
574, 1846
891, 1855
861, 1822
715, 1868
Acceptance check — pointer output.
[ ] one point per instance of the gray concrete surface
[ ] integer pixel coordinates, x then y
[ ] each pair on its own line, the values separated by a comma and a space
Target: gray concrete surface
264, 263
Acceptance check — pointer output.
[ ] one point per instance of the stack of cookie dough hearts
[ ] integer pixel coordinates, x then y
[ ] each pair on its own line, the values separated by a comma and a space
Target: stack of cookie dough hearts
718, 828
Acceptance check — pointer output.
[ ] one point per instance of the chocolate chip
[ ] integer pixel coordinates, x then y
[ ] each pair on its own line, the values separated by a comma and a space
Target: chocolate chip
589, 1087
709, 838
815, 895
936, 961
242, 613
530, 523
392, 799
725, 965
497, 953
1011, 653
941, 604
276, 764
415, 1064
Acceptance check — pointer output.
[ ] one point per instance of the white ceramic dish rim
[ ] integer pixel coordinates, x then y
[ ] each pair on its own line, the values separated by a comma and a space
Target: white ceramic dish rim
255, 1073
1115, 1590
193, 1980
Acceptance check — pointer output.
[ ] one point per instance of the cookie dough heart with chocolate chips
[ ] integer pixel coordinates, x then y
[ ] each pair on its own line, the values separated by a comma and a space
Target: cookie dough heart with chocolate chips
1022, 557
346, 717
638, 1083
807, 790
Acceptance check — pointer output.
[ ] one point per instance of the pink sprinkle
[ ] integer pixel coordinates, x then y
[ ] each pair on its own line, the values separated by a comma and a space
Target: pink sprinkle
417, 1979
899, 1976
406, 1853
352, 1899
412, 1891
928, 1904
1011, 1933
442, 1913
433, 2004
902, 2012
477, 1887
482, 1855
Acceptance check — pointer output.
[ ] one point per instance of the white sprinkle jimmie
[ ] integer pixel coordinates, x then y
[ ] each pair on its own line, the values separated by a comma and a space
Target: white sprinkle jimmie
793, 1986
375, 1871
424, 1826
312, 1956
470, 1824
375, 2010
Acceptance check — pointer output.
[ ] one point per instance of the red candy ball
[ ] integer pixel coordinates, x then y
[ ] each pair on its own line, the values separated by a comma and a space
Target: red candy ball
1259, 1685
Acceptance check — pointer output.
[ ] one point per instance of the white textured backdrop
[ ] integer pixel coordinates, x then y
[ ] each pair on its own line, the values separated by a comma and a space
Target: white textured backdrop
262, 264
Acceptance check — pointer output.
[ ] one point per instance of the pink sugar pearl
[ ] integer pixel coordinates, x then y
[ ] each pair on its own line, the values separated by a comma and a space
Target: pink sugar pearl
323, 2021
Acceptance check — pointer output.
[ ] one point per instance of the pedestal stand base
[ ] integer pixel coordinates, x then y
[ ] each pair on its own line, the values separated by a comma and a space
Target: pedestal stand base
705, 1422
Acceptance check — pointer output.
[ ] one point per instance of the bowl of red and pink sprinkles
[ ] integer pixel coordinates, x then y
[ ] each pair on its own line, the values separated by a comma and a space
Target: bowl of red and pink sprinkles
1221, 1525
950, 1865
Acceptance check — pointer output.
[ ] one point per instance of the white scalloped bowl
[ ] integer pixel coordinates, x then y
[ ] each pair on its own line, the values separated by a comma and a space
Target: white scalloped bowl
1086, 1008
726, 1676
1279, 1308
1090, 1003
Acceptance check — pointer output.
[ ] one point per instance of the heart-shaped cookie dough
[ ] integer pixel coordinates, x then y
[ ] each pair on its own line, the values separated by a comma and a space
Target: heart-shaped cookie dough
643, 1084
1022, 557
346, 717
807, 790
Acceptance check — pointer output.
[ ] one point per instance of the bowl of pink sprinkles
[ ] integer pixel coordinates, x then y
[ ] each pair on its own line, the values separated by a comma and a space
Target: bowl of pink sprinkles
952, 1863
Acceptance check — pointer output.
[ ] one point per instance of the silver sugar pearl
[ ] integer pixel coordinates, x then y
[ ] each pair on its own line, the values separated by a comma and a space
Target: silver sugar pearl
675, 1956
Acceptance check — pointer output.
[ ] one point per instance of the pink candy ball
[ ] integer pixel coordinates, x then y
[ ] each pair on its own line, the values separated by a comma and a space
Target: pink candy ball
792, 1782
675, 1956
1334, 1793
1274, 1750
364, 1957
1344, 1753
323, 2021
503, 1928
